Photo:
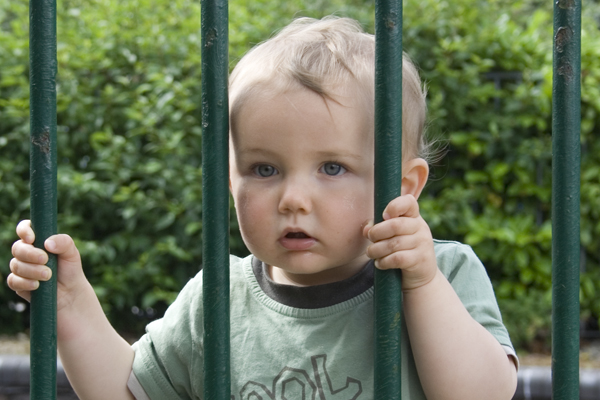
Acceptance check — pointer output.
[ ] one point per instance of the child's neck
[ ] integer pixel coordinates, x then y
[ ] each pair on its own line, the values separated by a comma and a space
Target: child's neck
280, 276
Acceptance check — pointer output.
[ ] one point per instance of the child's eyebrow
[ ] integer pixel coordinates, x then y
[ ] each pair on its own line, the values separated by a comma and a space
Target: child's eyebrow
340, 154
253, 150
322, 153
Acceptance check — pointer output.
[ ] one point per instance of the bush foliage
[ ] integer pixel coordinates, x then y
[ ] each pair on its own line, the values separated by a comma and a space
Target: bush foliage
130, 138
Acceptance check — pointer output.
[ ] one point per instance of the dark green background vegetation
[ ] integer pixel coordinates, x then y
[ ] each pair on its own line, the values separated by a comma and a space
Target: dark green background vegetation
130, 139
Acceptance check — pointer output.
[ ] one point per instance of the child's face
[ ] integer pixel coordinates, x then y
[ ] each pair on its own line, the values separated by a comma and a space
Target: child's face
302, 180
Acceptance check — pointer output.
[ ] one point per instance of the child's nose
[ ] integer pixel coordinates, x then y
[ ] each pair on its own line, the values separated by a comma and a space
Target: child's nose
295, 196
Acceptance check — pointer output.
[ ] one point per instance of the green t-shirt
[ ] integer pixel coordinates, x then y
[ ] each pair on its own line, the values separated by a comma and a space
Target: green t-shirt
297, 343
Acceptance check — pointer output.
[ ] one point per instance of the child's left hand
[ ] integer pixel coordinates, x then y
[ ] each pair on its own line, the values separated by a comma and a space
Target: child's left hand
403, 240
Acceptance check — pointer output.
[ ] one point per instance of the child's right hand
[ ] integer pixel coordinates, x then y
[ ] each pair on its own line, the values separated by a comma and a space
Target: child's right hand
97, 360
28, 266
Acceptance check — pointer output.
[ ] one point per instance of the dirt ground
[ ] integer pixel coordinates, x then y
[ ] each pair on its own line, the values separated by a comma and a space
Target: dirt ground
14, 344
589, 355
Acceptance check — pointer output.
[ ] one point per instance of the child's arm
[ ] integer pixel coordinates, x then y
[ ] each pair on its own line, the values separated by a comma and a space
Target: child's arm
96, 359
456, 357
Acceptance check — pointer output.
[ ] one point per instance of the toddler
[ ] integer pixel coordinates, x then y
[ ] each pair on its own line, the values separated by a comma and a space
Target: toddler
302, 175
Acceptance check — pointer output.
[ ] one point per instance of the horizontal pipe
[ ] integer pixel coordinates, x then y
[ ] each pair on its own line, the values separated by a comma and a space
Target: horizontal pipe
15, 376
535, 383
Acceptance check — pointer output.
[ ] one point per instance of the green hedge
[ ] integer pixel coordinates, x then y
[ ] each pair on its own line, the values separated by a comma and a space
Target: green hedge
493, 190
129, 141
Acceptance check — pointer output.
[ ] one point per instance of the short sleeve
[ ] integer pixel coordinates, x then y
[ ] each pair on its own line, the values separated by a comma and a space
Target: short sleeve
136, 389
468, 277
168, 358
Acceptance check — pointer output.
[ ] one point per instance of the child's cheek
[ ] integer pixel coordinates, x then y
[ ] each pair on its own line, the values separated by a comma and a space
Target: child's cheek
251, 214
351, 215
349, 203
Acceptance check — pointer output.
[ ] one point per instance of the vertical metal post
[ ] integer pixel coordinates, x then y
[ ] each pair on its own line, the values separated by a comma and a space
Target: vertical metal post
566, 115
215, 199
388, 177
42, 50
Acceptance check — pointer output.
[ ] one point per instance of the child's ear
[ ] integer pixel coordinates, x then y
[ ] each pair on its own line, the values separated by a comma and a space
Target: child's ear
414, 176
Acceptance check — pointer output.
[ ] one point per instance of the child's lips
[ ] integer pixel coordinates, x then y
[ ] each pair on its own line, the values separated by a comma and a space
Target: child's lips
296, 240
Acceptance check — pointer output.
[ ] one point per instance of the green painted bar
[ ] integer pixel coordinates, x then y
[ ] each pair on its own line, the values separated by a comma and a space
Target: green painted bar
566, 114
42, 50
215, 199
388, 177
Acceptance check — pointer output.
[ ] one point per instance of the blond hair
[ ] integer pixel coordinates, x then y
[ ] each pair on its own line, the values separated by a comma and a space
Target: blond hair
323, 56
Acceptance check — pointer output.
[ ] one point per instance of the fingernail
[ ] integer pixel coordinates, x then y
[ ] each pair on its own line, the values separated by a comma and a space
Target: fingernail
386, 216
376, 263
50, 244
29, 238
35, 285
47, 273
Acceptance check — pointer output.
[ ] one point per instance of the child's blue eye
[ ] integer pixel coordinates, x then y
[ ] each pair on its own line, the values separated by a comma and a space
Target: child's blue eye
264, 170
332, 169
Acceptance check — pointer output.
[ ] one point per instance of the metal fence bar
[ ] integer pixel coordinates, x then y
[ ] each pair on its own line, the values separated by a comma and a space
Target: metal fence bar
566, 116
42, 51
388, 177
215, 199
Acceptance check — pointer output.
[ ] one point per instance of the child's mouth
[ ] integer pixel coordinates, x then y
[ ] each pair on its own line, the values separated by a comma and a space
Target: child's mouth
297, 235
297, 241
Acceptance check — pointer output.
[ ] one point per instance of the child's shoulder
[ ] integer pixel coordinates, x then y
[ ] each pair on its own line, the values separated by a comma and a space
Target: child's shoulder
455, 258
451, 248
236, 266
